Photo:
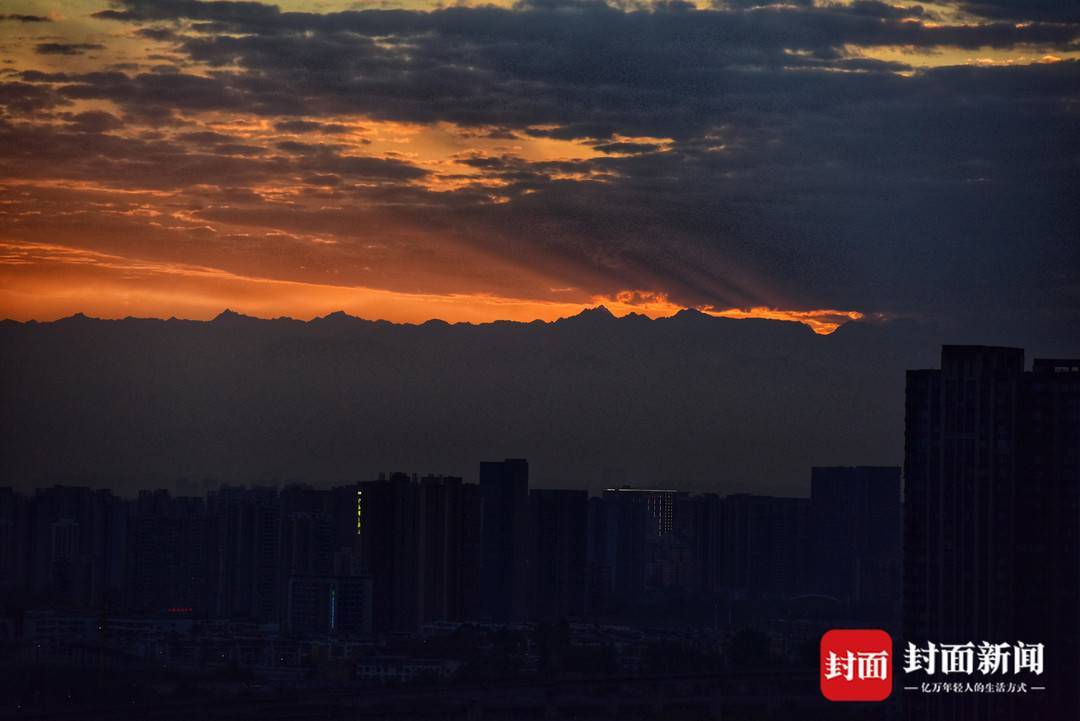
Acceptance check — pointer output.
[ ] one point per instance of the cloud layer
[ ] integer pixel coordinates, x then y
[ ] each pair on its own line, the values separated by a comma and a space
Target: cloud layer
897, 159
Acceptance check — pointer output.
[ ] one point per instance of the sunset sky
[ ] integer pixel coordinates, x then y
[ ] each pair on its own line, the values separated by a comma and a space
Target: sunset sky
819, 161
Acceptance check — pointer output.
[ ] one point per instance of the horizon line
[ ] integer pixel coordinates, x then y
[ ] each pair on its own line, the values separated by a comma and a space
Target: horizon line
821, 322
163, 290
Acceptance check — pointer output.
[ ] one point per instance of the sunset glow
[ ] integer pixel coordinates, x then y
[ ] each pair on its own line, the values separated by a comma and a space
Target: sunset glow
69, 281
511, 161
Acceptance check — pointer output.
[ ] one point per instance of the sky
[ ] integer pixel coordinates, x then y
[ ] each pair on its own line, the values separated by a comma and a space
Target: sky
816, 161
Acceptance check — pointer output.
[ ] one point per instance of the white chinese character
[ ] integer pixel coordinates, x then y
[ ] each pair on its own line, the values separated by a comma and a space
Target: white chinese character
873, 665
957, 658
839, 666
920, 658
1029, 658
993, 657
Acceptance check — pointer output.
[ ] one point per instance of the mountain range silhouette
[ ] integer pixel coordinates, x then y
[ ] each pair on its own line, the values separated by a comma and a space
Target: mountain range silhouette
691, 401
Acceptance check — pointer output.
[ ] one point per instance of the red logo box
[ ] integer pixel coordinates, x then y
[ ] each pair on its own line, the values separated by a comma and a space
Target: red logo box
856, 665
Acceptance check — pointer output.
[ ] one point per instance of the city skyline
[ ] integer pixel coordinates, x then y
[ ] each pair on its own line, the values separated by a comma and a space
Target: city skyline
381, 590
154, 553
434, 582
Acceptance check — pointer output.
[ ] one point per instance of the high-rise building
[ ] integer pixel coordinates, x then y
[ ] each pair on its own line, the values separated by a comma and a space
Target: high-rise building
659, 506
307, 531
558, 520
14, 545
504, 488
472, 508
628, 526
765, 543
333, 605
168, 554
992, 476
346, 508
77, 547
447, 553
856, 524
386, 517
1050, 518
599, 589
245, 555
419, 541
699, 524
640, 524
306, 543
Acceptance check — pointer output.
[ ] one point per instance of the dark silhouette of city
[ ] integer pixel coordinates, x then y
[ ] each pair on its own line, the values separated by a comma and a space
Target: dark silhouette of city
481, 597
410, 581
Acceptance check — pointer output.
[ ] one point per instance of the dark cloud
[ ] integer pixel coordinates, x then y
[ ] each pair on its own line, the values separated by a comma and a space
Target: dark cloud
86, 151
22, 98
877, 9
96, 121
322, 179
626, 147
156, 33
830, 25
25, 18
310, 126
581, 69
1054, 11
66, 48
249, 12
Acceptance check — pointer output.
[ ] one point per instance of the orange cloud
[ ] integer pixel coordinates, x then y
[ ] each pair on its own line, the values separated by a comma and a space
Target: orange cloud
822, 322
655, 305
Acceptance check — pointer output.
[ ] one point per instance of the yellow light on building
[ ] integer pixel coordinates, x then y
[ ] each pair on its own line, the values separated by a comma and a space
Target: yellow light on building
359, 511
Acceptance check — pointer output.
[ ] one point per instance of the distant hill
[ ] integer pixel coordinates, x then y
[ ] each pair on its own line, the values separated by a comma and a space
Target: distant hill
690, 401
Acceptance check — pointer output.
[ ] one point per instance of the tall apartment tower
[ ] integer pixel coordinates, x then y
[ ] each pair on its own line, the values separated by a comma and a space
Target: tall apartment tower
387, 528
638, 523
766, 543
855, 521
992, 476
168, 554
77, 547
558, 523
245, 553
447, 554
14, 545
504, 489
